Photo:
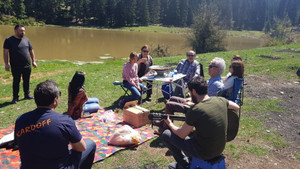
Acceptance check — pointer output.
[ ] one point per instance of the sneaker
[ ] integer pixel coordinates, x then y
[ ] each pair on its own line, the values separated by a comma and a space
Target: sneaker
28, 97
148, 99
14, 101
174, 165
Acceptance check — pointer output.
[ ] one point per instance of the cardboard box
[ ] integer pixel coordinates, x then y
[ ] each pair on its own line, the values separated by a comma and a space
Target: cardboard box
136, 116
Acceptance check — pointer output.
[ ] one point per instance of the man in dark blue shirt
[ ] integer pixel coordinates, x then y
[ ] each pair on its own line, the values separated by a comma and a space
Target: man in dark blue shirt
43, 136
19, 48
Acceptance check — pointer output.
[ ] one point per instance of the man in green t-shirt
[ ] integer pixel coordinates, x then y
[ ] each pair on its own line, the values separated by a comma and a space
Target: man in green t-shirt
209, 119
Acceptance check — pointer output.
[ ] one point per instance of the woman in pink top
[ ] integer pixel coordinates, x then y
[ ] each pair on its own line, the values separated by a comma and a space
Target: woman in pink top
131, 80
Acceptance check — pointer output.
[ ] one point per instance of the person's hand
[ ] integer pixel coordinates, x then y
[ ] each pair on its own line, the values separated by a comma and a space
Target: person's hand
140, 80
190, 103
143, 60
7, 67
168, 120
34, 64
139, 88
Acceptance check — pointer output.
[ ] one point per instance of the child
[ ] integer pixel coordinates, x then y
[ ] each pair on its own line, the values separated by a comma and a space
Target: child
131, 80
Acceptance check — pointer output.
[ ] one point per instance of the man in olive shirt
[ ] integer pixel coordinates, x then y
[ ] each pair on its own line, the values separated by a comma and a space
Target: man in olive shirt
209, 118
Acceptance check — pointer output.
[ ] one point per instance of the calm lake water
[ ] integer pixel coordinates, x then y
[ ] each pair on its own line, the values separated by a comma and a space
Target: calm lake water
75, 44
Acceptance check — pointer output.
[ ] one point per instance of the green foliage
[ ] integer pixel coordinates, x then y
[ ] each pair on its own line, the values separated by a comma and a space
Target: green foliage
206, 36
160, 51
233, 14
14, 21
279, 33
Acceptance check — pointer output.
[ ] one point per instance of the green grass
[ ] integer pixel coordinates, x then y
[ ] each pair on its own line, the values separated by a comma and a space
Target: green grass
254, 34
156, 28
252, 137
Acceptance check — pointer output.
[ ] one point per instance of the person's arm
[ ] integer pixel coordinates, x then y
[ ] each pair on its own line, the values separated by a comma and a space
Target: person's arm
181, 132
5, 57
233, 106
228, 83
32, 55
79, 146
197, 71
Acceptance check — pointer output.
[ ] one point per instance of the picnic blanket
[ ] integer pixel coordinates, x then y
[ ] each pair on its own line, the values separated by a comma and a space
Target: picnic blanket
91, 128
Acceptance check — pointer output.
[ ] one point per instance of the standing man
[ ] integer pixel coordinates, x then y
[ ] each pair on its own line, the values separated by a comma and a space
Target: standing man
215, 69
209, 119
43, 135
144, 62
20, 51
191, 68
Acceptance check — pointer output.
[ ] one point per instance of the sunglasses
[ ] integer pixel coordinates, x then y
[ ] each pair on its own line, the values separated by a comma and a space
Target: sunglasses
146, 51
190, 55
211, 66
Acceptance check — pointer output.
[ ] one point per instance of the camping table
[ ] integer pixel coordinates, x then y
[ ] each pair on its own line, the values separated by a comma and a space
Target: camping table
161, 80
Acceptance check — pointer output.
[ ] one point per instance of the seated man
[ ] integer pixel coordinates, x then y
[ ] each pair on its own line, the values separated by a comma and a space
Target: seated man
215, 69
209, 119
191, 68
43, 135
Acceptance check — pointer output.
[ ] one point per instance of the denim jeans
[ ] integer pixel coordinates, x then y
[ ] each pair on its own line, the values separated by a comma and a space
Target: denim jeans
83, 160
182, 149
135, 93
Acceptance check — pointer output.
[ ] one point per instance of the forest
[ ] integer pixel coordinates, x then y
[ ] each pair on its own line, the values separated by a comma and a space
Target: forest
232, 14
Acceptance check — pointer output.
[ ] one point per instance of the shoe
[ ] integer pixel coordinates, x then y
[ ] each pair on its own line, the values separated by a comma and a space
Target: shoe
148, 99
14, 101
172, 165
28, 97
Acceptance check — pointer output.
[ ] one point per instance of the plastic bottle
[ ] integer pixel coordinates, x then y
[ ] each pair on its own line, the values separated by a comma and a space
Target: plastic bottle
175, 72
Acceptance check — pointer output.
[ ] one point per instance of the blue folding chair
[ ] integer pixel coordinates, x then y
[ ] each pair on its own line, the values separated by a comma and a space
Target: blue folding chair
216, 163
238, 92
118, 83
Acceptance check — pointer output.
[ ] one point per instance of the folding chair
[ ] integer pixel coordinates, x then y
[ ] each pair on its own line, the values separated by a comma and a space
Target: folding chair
238, 92
118, 83
216, 163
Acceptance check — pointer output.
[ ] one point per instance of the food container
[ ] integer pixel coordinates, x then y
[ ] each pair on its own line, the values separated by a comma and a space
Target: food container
161, 70
136, 116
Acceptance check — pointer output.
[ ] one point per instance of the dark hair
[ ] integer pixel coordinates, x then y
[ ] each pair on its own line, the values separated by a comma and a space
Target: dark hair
236, 57
199, 84
45, 93
17, 26
145, 46
76, 84
132, 55
238, 69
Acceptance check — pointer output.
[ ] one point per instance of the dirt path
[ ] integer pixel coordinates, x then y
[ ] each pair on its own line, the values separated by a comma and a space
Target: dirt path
285, 124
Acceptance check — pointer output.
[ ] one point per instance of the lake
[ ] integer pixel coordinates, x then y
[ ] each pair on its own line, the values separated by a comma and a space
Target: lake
76, 44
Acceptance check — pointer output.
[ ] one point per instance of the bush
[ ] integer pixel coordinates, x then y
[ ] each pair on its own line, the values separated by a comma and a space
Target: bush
206, 35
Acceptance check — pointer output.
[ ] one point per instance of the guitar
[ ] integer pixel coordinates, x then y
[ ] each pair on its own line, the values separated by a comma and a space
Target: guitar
160, 116
232, 121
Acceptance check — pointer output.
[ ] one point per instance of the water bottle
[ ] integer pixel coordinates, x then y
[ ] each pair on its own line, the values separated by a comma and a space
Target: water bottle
175, 72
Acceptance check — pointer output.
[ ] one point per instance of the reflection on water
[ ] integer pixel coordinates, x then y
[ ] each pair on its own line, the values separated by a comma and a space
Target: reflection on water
61, 43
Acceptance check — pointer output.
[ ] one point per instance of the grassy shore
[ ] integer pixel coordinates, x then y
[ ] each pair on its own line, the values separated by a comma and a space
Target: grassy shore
279, 62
